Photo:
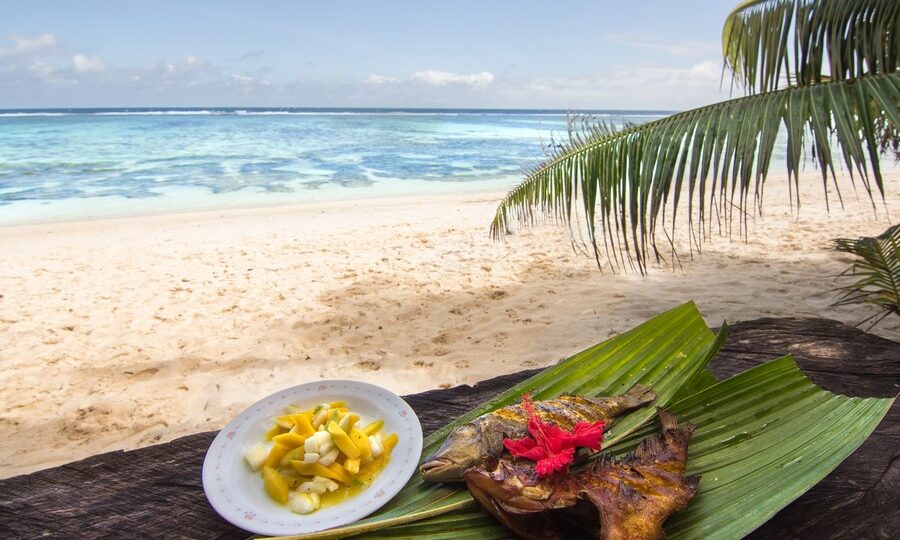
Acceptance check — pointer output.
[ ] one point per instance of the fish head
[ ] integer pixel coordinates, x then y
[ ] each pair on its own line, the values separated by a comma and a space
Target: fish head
513, 486
460, 451
510, 491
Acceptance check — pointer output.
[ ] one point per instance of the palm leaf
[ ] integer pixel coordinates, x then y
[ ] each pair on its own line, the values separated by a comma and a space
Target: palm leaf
625, 179
827, 70
768, 43
765, 437
666, 352
876, 272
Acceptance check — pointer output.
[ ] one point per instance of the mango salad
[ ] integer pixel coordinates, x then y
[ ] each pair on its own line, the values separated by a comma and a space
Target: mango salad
320, 456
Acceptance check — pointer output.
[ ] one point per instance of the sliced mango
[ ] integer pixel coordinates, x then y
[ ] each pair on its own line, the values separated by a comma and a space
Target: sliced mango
276, 430
374, 427
275, 454
351, 465
277, 486
342, 441
317, 469
296, 453
362, 443
303, 424
334, 416
286, 421
338, 470
368, 471
284, 466
389, 442
291, 440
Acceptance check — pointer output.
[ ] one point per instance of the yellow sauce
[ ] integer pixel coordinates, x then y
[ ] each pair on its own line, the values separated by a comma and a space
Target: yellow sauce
363, 480
298, 433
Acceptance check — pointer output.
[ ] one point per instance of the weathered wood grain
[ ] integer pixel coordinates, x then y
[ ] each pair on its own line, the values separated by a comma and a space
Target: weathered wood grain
155, 492
861, 498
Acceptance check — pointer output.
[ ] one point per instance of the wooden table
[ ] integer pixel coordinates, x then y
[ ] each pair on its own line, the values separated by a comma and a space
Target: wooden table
155, 492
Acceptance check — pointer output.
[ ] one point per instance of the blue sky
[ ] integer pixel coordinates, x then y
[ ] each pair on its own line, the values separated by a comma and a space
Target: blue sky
638, 54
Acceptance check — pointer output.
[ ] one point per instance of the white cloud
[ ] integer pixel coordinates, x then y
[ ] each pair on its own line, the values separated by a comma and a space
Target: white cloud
633, 87
708, 70
28, 45
380, 79
241, 79
39, 71
436, 78
443, 78
87, 64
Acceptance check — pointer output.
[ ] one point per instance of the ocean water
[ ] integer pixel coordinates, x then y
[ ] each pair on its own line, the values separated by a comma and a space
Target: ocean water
96, 163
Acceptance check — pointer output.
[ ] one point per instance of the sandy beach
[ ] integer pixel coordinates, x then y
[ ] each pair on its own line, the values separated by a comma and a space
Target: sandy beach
129, 332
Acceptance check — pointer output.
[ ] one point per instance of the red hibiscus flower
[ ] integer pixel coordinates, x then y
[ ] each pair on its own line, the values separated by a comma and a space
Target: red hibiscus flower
551, 447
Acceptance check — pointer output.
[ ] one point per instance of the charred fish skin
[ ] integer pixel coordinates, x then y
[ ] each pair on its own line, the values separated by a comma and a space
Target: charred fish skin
627, 499
515, 487
511, 491
482, 438
467, 446
636, 495
567, 410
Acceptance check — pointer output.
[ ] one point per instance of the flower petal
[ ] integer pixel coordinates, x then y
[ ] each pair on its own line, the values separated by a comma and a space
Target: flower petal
588, 434
551, 447
518, 447
555, 463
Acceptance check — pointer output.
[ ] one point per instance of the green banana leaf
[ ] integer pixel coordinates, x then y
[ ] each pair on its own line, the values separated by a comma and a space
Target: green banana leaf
765, 436
665, 353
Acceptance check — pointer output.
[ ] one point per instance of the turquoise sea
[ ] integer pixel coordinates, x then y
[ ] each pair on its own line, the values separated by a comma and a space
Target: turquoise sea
67, 164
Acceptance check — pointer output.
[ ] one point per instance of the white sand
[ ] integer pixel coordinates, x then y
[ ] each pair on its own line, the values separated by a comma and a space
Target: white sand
123, 333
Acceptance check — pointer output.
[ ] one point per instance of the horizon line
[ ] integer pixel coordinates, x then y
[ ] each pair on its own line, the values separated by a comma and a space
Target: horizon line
324, 108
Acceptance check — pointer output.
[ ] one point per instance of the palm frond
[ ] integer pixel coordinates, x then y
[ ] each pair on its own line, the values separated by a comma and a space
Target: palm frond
665, 353
768, 43
876, 272
718, 153
889, 137
764, 437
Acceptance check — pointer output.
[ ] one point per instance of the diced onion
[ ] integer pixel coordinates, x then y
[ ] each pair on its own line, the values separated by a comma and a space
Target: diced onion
375, 443
320, 417
312, 487
256, 455
311, 445
304, 503
321, 438
328, 458
326, 447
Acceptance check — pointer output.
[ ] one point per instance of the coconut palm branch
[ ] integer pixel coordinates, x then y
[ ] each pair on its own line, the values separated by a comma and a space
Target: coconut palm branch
765, 436
823, 73
876, 273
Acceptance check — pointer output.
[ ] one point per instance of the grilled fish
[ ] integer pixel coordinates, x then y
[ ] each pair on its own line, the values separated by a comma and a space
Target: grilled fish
532, 507
472, 444
627, 499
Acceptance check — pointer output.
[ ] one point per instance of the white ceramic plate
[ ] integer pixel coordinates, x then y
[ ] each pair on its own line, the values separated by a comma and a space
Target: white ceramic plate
237, 494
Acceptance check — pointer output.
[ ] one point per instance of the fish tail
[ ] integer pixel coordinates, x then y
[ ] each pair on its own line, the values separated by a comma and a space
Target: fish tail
669, 422
640, 394
666, 419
